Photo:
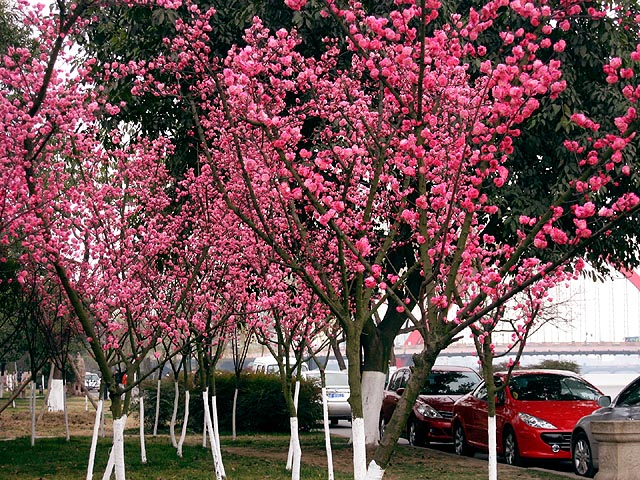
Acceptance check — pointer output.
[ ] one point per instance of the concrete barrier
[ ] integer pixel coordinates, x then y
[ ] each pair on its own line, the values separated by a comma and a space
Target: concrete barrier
619, 449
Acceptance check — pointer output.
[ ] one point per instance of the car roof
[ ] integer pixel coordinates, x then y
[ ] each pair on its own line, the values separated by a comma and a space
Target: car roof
445, 368
539, 371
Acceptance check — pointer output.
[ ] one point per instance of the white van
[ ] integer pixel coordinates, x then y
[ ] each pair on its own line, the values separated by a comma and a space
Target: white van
269, 365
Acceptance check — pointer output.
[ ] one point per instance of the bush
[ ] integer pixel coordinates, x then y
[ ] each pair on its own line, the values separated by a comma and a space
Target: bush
260, 408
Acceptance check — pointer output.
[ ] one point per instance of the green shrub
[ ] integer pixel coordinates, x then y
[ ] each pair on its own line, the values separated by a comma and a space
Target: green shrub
260, 407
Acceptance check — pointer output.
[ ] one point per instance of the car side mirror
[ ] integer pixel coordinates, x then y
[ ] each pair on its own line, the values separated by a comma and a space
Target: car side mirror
604, 401
400, 391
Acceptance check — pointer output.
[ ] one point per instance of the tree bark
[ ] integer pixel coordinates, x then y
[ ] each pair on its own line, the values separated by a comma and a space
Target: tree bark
155, 423
233, 413
209, 428
143, 449
94, 439
66, 412
32, 411
422, 367
172, 425
327, 432
292, 445
185, 421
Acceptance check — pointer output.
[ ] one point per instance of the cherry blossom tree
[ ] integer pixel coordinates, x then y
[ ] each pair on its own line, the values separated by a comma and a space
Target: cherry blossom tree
375, 183
337, 169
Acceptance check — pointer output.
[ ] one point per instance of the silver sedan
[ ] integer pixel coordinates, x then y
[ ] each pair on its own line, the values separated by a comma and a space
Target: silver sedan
584, 448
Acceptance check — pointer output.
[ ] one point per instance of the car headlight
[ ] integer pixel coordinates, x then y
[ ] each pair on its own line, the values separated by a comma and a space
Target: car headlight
427, 411
536, 422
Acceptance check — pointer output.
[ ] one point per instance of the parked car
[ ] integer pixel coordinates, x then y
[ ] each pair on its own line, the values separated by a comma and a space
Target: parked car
269, 365
535, 415
337, 385
584, 448
430, 418
91, 381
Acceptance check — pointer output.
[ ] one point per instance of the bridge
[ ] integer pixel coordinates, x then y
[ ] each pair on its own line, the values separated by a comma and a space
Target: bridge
539, 349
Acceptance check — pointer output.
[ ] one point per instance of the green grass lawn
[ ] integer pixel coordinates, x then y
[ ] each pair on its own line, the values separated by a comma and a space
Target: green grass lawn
249, 457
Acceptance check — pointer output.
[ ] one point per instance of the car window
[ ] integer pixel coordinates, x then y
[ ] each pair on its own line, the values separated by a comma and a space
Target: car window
450, 383
336, 379
481, 393
540, 387
630, 395
404, 379
393, 383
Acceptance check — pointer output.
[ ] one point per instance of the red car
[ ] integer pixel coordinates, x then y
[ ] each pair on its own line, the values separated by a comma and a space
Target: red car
430, 419
535, 415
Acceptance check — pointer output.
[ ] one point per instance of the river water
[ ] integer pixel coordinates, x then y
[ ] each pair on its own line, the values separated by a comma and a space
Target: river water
610, 383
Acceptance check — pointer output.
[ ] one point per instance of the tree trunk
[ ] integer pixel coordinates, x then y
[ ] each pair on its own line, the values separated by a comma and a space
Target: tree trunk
46, 396
209, 428
143, 449
32, 411
377, 348
94, 439
155, 423
327, 432
116, 458
66, 412
372, 393
172, 425
357, 420
233, 413
493, 451
185, 421
422, 367
216, 433
296, 451
292, 444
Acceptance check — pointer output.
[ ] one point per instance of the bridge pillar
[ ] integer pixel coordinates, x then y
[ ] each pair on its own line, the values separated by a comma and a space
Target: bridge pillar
619, 444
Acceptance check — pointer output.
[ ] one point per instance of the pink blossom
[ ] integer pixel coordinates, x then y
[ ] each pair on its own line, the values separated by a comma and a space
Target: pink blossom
295, 4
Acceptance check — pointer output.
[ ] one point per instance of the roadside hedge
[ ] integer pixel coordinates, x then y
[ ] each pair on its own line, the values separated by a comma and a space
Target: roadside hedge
260, 406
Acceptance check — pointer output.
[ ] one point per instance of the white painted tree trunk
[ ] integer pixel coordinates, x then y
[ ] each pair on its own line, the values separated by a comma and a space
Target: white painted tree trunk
102, 429
493, 450
94, 440
110, 464
292, 446
185, 421
374, 472
56, 400
295, 449
359, 449
32, 410
216, 434
372, 393
204, 432
233, 413
172, 425
143, 448
66, 412
116, 458
155, 423
209, 429
327, 434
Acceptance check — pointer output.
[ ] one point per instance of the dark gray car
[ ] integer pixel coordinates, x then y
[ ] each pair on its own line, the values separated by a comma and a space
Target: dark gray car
584, 448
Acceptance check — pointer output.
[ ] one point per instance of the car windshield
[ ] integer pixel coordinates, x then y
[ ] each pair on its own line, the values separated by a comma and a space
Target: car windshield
631, 395
332, 379
449, 383
336, 379
544, 386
